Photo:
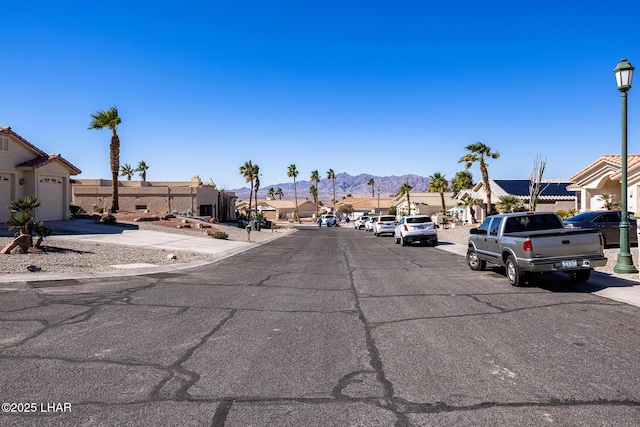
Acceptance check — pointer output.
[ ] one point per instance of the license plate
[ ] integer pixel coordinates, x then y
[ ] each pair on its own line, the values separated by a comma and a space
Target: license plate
419, 227
570, 263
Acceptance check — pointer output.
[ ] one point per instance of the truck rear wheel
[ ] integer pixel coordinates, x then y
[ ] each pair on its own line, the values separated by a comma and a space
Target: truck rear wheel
514, 275
580, 276
474, 262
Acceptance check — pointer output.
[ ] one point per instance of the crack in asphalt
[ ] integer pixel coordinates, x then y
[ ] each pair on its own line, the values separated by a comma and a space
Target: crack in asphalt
374, 353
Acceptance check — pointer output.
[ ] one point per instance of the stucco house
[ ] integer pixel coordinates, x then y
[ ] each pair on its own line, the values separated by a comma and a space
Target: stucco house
366, 205
192, 197
278, 209
604, 176
554, 195
26, 170
424, 203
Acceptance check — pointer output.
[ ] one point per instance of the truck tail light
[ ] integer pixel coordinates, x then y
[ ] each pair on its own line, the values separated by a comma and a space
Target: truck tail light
601, 239
527, 246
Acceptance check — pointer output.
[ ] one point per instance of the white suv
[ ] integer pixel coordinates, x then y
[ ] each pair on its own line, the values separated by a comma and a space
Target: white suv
359, 223
384, 224
415, 228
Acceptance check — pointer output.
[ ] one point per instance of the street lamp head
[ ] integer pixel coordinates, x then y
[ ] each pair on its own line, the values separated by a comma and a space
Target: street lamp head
624, 75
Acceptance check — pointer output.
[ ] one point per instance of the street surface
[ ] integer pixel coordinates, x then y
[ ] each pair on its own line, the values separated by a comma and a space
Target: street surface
323, 327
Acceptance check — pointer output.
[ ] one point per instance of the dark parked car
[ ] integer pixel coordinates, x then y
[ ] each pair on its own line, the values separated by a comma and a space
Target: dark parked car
608, 222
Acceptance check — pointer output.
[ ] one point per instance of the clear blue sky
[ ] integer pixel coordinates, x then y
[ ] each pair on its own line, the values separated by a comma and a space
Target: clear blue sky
379, 87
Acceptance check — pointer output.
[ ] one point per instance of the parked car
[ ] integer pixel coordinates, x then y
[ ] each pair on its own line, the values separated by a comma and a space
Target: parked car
607, 222
358, 224
415, 228
327, 219
384, 224
368, 226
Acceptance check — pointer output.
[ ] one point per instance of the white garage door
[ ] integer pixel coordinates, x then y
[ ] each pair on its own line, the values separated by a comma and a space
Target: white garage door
51, 195
5, 196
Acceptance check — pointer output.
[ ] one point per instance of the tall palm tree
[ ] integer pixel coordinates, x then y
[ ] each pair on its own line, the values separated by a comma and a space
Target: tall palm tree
313, 190
404, 191
127, 170
479, 153
332, 176
247, 171
315, 177
372, 183
256, 187
271, 193
279, 193
292, 172
439, 184
109, 119
142, 168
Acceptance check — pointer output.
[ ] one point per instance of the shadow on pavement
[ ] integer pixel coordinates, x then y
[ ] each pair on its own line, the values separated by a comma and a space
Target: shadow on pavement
76, 227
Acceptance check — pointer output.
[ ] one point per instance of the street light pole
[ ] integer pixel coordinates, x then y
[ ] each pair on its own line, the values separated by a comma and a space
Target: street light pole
379, 202
624, 265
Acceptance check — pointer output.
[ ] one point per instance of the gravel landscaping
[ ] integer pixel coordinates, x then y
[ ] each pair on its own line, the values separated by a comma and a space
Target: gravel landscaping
70, 256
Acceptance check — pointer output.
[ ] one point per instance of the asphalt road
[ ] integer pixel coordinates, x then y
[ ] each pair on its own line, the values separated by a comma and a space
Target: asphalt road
330, 327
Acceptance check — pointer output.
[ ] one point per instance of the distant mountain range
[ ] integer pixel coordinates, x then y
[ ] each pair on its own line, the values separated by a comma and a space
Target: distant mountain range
345, 184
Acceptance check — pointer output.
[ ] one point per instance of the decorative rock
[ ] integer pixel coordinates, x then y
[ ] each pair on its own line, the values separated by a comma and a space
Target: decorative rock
17, 250
172, 256
33, 268
23, 240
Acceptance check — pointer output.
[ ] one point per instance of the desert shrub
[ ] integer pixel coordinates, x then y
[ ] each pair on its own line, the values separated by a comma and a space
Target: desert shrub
220, 235
75, 210
108, 219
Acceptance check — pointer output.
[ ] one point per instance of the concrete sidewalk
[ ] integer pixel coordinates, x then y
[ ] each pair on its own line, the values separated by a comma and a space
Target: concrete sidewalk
622, 288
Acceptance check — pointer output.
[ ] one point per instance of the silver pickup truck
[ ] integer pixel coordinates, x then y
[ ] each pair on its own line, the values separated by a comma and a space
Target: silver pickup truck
535, 242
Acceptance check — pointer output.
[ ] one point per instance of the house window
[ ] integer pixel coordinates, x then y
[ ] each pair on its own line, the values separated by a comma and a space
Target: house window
4, 144
141, 207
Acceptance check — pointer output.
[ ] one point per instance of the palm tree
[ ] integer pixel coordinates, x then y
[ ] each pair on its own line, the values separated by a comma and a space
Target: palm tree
247, 171
372, 183
292, 172
271, 193
22, 216
142, 168
279, 193
127, 170
332, 176
315, 177
509, 204
256, 170
404, 191
439, 184
471, 203
313, 190
109, 119
609, 201
479, 153
23, 220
